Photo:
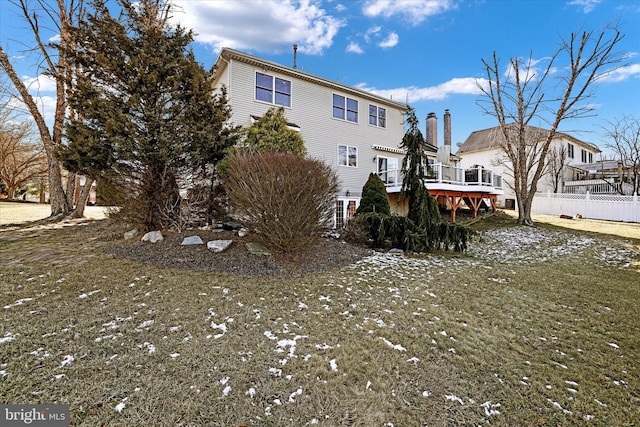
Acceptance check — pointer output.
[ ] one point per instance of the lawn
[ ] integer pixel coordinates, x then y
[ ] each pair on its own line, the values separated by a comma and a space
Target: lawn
533, 326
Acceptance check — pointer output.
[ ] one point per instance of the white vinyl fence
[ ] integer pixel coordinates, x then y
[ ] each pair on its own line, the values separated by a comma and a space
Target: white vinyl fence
610, 207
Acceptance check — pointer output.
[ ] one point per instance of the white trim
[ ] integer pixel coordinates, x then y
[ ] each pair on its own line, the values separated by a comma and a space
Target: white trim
388, 149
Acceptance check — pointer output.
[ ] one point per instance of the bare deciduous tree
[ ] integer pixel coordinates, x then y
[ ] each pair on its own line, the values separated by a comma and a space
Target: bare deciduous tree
556, 162
624, 140
61, 15
525, 97
21, 161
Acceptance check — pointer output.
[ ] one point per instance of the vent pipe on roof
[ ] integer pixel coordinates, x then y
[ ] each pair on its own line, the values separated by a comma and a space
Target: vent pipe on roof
295, 56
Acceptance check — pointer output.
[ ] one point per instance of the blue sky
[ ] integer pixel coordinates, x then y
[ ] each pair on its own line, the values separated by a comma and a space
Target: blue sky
428, 52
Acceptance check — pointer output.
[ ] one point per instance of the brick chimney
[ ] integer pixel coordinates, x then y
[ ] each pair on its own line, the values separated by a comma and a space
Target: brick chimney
447, 128
432, 129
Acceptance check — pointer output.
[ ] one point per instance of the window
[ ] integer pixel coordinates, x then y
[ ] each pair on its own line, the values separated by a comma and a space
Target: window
590, 157
583, 154
347, 156
570, 150
388, 170
377, 116
345, 108
273, 90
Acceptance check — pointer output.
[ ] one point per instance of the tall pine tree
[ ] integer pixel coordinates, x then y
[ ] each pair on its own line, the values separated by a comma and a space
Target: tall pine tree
143, 105
423, 208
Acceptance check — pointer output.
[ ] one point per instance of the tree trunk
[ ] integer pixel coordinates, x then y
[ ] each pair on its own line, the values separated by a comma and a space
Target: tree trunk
10, 191
78, 212
70, 191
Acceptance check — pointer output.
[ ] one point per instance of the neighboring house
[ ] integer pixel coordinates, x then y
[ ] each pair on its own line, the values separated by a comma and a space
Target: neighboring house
354, 131
601, 177
483, 148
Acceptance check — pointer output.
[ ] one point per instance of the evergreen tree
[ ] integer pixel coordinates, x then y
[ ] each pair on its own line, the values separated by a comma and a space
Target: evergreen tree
142, 104
271, 133
374, 197
423, 208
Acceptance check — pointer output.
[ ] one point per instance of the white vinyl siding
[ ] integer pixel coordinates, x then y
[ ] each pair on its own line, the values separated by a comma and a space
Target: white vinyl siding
320, 131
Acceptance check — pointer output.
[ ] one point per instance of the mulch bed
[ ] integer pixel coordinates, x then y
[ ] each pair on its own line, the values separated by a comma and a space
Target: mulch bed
327, 254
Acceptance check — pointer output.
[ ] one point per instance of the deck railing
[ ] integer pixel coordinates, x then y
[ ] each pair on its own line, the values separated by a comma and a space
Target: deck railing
438, 172
479, 176
598, 186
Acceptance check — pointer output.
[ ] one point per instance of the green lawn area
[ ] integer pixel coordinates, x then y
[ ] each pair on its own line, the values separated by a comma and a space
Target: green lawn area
533, 326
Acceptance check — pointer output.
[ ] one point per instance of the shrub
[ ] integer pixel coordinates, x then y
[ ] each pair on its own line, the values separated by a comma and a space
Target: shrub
374, 197
287, 200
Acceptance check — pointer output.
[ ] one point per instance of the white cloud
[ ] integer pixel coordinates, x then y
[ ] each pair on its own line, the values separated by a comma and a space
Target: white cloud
354, 47
620, 74
586, 5
340, 7
529, 69
54, 39
455, 86
390, 41
39, 84
261, 26
415, 11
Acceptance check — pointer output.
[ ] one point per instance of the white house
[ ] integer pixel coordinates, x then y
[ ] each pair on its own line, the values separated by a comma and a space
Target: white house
483, 148
354, 131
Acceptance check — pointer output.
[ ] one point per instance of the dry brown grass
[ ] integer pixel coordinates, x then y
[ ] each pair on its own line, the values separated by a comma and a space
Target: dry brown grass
534, 326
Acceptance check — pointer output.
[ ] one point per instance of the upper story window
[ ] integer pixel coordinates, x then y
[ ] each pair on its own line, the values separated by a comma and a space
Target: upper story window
570, 150
347, 156
377, 116
273, 90
345, 108
590, 157
583, 155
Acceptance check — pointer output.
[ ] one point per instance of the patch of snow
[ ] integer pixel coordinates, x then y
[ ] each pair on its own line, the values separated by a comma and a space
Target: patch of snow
59, 376
120, 406
174, 355
393, 346
251, 392
334, 365
222, 327
18, 302
67, 360
614, 345
292, 396
275, 371
426, 393
490, 408
454, 398
88, 294
8, 336
146, 324
270, 335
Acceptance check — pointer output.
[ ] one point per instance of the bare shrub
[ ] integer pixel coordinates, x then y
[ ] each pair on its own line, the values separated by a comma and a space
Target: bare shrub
287, 200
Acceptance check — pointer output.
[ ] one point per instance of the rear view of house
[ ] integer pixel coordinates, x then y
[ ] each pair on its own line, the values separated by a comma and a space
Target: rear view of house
354, 131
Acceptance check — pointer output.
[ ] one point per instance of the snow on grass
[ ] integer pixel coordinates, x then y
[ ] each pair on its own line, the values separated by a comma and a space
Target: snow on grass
392, 345
18, 302
222, 327
334, 365
120, 406
88, 294
67, 360
8, 336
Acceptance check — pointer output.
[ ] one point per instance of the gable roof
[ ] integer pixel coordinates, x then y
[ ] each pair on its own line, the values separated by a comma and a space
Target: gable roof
486, 139
227, 54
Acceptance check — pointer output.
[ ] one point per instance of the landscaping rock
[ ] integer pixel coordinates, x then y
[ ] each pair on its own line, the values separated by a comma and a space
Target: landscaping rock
153, 237
130, 234
219, 245
258, 249
243, 232
192, 240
